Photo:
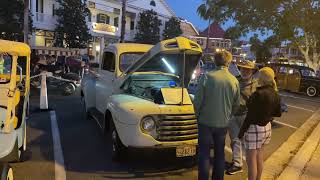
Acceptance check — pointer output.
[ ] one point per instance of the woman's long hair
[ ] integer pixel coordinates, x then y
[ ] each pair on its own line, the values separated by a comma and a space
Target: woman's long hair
267, 78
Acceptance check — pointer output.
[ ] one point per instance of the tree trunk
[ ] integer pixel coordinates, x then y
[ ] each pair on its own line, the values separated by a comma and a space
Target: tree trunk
26, 22
123, 20
208, 36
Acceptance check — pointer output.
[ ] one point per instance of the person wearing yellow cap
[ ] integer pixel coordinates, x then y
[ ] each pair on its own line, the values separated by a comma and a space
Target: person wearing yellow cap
248, 86
217, 96
263, 105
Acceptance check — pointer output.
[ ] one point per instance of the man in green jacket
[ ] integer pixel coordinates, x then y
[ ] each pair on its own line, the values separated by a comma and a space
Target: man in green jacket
217, 96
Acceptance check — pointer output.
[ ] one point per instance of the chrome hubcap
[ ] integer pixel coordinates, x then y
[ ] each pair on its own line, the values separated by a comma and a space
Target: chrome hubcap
311, 91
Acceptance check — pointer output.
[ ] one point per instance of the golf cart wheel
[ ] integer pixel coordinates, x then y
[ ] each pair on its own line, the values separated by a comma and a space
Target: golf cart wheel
311, 91
69, 89
6, 172
118, 149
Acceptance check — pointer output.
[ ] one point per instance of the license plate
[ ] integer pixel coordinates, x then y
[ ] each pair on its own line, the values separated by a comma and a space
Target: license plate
183, 151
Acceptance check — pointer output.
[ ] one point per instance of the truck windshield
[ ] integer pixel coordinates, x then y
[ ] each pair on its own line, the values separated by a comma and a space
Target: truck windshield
127, 59
5, 68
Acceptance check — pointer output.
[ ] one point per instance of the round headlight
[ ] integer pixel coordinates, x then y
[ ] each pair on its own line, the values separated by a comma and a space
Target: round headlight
148, 124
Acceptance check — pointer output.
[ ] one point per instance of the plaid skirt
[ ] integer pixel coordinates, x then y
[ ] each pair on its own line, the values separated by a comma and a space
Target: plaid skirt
257, 136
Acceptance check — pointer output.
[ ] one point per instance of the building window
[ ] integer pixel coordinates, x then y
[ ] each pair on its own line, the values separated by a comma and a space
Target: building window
39, 6
153, 3
132, 25
116, 22
103, 18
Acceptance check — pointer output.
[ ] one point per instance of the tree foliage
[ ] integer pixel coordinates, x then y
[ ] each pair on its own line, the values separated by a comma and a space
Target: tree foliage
72, 30
296, 22
148, 28
210, 10
11, 20
260, 49
172, 28
234, 33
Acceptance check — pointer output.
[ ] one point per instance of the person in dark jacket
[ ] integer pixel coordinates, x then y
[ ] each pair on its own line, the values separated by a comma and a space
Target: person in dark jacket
255, 131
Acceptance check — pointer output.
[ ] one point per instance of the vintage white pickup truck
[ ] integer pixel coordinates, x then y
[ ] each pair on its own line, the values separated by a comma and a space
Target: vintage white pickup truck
138, 96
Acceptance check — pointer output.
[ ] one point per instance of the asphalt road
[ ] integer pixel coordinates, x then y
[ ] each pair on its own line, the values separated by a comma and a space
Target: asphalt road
85, 152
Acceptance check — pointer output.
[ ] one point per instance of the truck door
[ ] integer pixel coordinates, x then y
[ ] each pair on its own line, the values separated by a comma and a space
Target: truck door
105, 80
293, 80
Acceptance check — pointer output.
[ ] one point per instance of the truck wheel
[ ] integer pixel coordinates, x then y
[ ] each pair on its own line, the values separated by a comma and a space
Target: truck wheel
311, 91
6, 172
118, 149
69, 89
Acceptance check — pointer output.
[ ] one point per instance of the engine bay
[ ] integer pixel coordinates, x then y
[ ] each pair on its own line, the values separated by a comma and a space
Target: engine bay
148, 86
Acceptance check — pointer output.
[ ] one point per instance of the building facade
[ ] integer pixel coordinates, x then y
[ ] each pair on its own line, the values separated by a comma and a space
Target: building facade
104, 21
216, 40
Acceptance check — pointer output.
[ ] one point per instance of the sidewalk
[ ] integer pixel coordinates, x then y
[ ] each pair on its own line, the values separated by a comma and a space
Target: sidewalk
305, 163
312, 170
298, 157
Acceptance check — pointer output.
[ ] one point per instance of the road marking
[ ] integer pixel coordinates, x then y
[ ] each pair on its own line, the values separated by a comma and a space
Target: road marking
60, 172
285, 124
296, 107
228, 149
295, 97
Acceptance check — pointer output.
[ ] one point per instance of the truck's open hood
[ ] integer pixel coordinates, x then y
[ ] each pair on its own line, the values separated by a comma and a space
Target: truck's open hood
177, 45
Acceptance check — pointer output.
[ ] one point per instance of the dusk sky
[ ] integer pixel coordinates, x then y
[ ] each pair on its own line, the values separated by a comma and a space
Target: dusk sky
187, 9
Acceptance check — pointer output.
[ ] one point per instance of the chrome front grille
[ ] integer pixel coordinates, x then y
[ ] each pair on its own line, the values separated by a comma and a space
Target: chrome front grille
177, 127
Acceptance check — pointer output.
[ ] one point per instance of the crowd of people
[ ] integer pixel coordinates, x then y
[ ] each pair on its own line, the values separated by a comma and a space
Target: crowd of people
63, 64
244, 107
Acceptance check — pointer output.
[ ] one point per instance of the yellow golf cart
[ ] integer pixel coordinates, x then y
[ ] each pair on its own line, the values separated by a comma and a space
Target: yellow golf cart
14, 102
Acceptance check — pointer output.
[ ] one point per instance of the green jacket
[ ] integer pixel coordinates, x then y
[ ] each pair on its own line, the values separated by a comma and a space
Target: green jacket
217, 96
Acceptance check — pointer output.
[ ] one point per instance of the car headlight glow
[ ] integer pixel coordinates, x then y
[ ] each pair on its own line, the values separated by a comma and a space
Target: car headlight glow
148, 124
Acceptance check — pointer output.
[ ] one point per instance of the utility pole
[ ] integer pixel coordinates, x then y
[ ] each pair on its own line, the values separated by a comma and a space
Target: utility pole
123, 20
26, 22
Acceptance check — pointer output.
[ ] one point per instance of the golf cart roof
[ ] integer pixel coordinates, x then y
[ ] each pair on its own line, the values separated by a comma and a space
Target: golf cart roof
14, 48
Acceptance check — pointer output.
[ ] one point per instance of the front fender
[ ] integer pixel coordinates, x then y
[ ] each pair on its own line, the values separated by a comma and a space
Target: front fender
127, 109
127, 112
89, 91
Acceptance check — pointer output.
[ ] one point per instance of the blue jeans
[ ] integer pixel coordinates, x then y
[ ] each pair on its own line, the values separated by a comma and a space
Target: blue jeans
207, 136
236, 144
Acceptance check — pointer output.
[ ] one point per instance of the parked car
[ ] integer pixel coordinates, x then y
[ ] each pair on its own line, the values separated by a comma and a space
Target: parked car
297, 78
138, 96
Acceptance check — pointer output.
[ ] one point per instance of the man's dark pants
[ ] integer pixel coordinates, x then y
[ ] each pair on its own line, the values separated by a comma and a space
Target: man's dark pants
207, 136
